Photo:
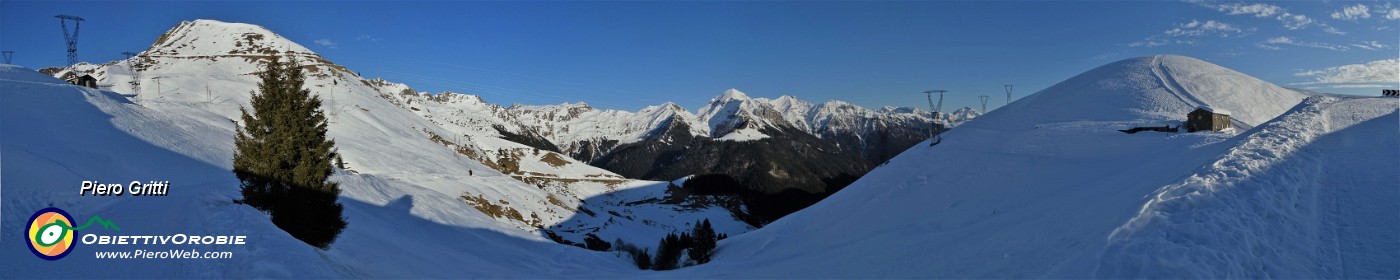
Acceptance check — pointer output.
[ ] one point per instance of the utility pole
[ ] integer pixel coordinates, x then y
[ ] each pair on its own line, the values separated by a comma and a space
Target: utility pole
9, 55
984, 99
70, 39
935, 108
157, 86
135, 73
1008, 94
331, 101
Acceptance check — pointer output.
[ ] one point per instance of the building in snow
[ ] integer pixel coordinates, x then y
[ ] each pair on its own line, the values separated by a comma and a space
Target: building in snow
1207, 118
84, 80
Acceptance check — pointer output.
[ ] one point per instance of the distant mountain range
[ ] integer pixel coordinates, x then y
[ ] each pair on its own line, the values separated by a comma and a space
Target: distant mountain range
786, 153
771, 146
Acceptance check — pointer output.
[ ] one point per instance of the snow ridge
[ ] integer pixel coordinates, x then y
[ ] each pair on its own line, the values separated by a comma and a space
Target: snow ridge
1261, 209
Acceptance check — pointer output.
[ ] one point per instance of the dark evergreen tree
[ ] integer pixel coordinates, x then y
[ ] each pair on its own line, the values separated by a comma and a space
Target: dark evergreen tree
668, 253
685, 241
642, 258
283, 159
704, 242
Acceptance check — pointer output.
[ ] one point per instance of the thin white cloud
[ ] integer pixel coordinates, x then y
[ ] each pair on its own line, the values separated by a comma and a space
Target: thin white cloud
367, 37
1388, 11
1352, 13
1385, 71
1333, 30
1256, 10
1363, 86
1290, 21
1194, 28
325, 43
1149, 42
1275, 42
1280, 40
1372, 45
1197, 28
1294, 21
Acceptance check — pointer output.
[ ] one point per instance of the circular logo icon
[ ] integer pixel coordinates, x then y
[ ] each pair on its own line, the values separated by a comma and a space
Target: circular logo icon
50, 233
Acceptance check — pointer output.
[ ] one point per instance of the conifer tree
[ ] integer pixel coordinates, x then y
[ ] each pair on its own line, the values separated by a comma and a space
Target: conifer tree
283, 159
704, 242
642, 258
668, 253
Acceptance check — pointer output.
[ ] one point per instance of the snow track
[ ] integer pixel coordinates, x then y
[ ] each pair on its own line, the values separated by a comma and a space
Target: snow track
1169, 82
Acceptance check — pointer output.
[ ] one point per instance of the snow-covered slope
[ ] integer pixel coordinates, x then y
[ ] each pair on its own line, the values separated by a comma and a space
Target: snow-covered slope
1047, 188
57, 135
205, 69
1157, 88
1311, 194
187, 73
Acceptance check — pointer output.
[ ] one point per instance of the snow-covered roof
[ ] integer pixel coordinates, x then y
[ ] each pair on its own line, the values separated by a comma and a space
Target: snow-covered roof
1213, 110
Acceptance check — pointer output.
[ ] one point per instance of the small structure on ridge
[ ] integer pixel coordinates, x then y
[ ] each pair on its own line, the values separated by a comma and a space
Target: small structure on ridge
1207, 118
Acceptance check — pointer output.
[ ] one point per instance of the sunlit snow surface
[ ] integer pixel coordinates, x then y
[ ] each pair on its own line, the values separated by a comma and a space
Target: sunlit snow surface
1045, 187
1048, 188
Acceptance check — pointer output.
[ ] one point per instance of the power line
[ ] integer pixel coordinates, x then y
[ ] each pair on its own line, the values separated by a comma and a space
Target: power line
70, 39
935, 108
1008, 94
135, 73
157, 86
984, 99
9, 56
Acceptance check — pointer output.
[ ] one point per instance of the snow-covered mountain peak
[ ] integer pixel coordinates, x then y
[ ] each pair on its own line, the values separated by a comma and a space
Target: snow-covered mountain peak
733, 94
833, 104
966, 111
734, 111
785, 101
1151, 89
836, 107
668, 108
207, 37
560, 106
461, 98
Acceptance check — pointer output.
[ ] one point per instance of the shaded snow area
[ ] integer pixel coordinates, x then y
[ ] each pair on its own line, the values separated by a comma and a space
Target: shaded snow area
204, 70
57, 135
1047, 188
643, 212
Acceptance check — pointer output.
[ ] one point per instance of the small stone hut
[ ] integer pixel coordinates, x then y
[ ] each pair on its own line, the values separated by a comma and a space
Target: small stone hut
84, 80
1207, 118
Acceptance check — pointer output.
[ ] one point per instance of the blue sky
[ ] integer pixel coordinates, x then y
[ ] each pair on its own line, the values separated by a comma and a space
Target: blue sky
631, 54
